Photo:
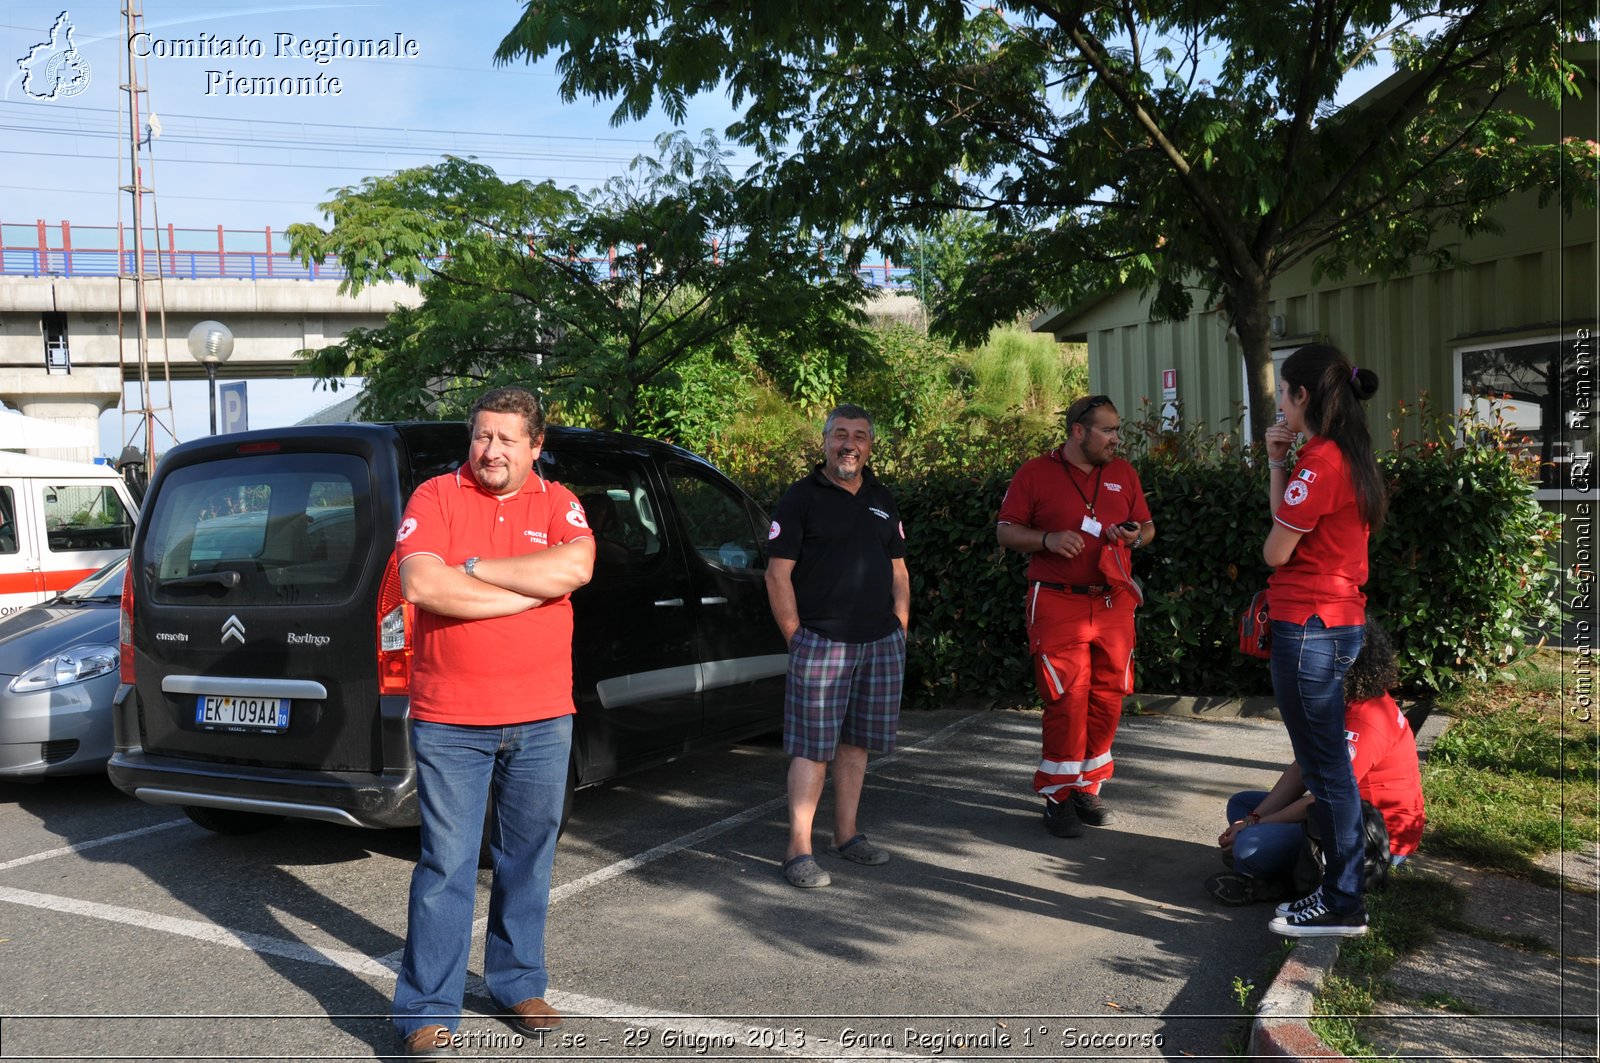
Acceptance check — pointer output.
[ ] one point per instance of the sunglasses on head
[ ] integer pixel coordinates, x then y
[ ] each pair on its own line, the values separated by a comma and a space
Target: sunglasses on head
1094, 403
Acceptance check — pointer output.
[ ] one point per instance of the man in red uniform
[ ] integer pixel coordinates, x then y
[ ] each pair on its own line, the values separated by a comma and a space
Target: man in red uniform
488, 554
1078, 510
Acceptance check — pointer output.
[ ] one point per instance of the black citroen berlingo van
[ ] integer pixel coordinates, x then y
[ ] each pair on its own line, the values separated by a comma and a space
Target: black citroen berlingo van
266, 649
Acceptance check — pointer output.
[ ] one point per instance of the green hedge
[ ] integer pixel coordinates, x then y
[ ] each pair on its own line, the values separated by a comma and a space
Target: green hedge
1457, 573
1466, 563
967, 634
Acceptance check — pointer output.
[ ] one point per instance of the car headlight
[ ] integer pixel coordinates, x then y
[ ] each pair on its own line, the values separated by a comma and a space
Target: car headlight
72, 665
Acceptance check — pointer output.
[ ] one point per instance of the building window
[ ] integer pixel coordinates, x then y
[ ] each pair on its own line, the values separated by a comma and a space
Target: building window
1529, 387
57, 357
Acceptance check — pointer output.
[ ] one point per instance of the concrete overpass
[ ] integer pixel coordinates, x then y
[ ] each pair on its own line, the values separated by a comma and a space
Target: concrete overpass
59, 349
60, 291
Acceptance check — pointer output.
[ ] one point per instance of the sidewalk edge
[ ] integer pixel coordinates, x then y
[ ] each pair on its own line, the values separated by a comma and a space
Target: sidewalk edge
1281, 1030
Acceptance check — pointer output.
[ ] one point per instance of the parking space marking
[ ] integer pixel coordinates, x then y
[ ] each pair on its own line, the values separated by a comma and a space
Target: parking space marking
722, 826
68, 850
354, 962
716, 1032
386, 967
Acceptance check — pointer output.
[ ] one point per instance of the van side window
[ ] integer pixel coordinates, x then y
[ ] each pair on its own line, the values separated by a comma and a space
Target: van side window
8, 522
85, 517
722, 531
617, 500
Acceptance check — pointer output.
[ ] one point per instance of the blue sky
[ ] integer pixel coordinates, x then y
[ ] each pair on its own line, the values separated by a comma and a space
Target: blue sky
245, 162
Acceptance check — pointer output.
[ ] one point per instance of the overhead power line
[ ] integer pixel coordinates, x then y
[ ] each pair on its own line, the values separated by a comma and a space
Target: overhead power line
252, 130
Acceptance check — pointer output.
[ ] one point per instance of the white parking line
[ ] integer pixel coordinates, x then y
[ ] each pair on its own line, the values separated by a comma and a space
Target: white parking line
722, 826
713, 1034
354, 962
68, 850
708, 1031
385, 967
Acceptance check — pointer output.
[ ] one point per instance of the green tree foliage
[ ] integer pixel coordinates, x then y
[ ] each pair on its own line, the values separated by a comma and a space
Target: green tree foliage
939, 259
914, 382
1166, 145
910, 382
592, 299
704, 399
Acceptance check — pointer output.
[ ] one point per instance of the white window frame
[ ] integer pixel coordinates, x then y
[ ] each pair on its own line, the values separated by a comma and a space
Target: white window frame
1461, 399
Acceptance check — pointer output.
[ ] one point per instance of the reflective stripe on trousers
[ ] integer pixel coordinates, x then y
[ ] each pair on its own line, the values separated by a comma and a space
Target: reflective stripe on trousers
1083, 665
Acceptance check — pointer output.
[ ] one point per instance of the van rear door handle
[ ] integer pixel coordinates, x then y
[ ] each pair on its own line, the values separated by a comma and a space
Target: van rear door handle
665, 602
713, 601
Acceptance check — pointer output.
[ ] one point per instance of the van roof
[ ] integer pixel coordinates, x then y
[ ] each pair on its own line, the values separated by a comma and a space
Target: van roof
15, 464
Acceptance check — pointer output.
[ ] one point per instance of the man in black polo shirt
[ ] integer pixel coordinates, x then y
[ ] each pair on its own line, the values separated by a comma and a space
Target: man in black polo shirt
841, 595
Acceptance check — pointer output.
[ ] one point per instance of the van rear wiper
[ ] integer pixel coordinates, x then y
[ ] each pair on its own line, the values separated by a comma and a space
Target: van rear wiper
225, 577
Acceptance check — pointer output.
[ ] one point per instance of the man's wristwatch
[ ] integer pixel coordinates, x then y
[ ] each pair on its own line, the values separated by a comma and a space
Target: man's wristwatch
471, 565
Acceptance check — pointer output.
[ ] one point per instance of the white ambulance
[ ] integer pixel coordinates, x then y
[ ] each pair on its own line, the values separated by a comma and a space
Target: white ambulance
59, 522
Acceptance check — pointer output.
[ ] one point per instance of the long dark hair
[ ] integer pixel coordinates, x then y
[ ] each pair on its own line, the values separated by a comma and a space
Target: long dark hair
1336, 389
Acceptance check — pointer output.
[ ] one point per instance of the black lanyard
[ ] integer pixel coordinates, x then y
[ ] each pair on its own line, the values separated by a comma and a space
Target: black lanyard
1066, 466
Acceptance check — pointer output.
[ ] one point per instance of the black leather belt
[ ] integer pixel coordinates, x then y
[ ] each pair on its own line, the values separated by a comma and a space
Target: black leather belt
1074, 588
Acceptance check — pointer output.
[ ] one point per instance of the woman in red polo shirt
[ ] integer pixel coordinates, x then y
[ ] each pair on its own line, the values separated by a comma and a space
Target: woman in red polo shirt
1323, 511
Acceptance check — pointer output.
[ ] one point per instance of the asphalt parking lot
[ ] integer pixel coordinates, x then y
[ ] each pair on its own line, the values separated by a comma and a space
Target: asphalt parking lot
127, 932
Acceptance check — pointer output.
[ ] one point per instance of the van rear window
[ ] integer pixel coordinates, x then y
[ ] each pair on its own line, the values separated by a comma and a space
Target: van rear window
274, 529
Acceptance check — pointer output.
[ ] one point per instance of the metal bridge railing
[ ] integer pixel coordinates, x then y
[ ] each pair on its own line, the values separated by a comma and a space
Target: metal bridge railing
39, 249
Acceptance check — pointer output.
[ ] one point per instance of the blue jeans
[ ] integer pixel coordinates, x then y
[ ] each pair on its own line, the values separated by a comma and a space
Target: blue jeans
1266, 850
526, 765
1308, 666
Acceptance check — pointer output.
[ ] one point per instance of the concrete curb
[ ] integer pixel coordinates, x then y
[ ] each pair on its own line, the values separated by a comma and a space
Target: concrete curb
1262, 707
1280, 1030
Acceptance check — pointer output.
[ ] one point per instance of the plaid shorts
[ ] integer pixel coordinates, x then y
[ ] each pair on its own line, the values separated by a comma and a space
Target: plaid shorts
842, 692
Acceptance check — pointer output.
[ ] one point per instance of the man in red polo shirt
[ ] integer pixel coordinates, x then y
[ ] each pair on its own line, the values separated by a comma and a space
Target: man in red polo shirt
488, 554
1077, 511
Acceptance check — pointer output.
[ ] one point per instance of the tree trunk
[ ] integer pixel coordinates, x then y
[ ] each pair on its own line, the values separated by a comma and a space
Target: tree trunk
1249, 304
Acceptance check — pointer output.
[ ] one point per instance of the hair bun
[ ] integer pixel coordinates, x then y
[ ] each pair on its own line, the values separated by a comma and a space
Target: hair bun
1365, 384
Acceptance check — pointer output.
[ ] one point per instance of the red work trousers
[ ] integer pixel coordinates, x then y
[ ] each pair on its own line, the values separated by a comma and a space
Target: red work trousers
1082, 649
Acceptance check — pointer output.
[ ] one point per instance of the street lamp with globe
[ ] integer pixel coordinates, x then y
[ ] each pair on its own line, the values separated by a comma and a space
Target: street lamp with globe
210, 342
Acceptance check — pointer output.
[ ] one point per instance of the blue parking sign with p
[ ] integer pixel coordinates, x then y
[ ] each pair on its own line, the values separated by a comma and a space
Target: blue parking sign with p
233, 413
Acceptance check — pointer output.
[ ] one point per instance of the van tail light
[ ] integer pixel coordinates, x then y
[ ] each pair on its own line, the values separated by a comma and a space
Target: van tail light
394, 634
125, 628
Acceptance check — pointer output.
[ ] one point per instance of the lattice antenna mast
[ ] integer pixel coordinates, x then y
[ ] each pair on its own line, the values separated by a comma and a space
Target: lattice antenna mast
147, 412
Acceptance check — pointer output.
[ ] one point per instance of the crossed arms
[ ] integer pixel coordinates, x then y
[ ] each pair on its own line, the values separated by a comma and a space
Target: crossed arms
500, 586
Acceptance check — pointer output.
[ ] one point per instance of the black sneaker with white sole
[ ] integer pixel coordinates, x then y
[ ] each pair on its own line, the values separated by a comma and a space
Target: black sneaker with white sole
1319, 921
1290, 907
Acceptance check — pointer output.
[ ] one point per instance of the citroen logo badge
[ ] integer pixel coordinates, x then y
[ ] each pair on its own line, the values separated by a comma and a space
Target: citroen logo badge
232, 629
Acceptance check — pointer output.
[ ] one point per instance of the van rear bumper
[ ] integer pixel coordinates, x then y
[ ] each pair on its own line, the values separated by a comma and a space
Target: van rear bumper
353, 799
361, 799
